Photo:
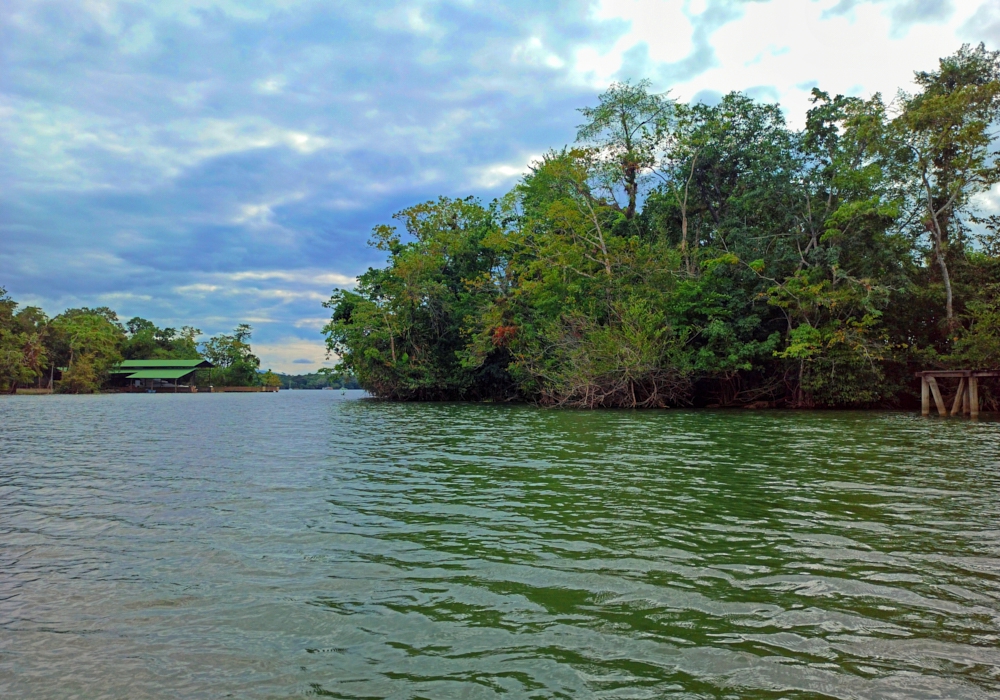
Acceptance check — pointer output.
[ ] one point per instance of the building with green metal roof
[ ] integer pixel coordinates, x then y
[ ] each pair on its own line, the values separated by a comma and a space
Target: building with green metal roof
165, 364
152, 375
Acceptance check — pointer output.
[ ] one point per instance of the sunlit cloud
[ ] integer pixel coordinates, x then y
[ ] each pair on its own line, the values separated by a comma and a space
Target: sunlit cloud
312, 277
502, 174
293, 355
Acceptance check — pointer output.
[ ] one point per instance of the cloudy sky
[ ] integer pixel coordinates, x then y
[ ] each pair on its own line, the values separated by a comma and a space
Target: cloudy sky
209, 162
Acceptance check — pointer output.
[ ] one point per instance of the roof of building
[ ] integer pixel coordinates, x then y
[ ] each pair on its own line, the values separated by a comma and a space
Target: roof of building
161, 373
166, 364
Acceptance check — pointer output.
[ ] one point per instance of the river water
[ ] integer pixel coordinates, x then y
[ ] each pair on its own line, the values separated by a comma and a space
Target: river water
308, 543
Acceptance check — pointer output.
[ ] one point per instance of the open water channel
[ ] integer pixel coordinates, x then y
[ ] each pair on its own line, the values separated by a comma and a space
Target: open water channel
308, 543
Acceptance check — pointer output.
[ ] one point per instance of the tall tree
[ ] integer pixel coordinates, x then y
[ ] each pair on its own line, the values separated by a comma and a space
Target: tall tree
949, 126
22, 348
235, 363
88, 342
626, 131
147, 341
850, 253
582, 313
402, 330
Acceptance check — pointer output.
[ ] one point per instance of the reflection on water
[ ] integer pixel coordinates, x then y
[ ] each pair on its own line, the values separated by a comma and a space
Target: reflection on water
275, 546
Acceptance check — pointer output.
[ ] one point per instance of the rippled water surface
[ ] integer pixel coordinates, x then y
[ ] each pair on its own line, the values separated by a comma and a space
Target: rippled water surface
305, 543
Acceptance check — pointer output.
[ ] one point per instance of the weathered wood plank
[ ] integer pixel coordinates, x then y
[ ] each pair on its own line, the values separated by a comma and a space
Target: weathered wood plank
973, 397
936, 392
925, 397
956, 405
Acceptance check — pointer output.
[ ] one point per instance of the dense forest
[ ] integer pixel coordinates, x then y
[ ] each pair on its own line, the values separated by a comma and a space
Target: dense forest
704, 254
75, 351
317, 380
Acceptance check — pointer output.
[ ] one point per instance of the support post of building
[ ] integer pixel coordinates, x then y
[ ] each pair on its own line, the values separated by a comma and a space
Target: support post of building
938, 400
925, 396
956, 405
973, 397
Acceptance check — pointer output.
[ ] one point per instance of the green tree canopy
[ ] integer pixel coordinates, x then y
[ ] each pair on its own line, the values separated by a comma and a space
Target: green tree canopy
89, 342
707, 254
235, 363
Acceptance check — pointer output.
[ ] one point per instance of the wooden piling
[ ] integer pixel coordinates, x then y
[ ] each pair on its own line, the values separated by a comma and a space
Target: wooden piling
936, 392
966, 399
973, 397
956, 405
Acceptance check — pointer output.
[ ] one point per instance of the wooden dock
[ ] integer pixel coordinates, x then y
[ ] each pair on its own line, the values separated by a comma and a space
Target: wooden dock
966, 399
189, 389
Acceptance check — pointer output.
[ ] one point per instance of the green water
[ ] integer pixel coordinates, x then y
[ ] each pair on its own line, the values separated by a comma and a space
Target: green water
305, 543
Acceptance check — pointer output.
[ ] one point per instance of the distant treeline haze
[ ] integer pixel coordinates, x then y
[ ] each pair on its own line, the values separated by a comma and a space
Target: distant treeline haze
702, 254
317, 380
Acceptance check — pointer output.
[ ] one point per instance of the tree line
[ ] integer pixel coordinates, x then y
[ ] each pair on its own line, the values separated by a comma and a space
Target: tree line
326, 378
75, 351
695, 254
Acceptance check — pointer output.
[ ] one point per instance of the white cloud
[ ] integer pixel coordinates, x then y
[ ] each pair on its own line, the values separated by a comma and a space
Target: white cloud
662, 27
313, 323
271, 86
410, 18
110, 13
213, 137
263, 293
266, 296
137, 39
260, 214
197, 289
281, 355
497, 174
314, 277
791, 45
661, 24
697, 7
118, 297
59, 142
533, 53
415, 20
785, 45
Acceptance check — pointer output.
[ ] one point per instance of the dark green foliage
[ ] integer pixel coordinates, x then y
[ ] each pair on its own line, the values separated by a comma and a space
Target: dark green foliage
402, 330
235, 363
88, 343
702, 254
146, 341
23, 355
318, 380
76, 351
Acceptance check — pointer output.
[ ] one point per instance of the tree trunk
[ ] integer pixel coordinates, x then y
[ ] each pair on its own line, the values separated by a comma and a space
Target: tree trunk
942, 263
632, 189
392, 339
685, 254
799, 392
631, 171
938, 234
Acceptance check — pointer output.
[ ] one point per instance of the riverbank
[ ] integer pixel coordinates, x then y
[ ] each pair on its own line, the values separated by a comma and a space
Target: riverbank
162, 390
